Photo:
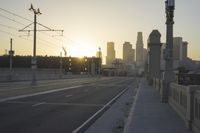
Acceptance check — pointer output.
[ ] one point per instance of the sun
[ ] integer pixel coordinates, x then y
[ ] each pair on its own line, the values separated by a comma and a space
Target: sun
81, 50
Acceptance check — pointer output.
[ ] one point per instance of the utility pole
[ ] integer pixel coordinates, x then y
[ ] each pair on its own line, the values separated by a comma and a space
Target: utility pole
88, 67
34, 58
61, 63
99, 61
169, 75
11, 53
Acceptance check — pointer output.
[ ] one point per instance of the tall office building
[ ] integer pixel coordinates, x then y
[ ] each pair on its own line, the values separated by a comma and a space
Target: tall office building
179, 49
179, 52
99, 54
110, 53
128, 53
139, 50
145, 52
185, 49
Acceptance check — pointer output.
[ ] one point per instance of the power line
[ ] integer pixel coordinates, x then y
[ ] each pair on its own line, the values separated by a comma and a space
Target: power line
16, 29
13, 28
9, 27
11, 20
27, 39
74, 42
53, 37
8, 33
15, 14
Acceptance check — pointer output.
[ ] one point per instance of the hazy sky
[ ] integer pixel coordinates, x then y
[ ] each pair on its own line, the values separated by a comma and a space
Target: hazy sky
89, 24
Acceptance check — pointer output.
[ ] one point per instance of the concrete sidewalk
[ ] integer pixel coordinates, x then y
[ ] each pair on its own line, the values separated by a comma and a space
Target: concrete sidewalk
149, 115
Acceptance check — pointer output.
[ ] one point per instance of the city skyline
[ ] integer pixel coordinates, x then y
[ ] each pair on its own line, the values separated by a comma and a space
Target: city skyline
90, 24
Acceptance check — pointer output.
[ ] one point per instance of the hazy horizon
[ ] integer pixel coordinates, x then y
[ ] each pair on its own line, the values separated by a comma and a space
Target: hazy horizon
90, 24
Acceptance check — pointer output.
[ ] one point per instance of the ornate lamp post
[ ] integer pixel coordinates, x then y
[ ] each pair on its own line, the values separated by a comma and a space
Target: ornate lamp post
168, 53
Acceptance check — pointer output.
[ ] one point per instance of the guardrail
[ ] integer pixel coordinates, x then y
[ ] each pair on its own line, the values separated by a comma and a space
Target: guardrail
196, 120
185, 100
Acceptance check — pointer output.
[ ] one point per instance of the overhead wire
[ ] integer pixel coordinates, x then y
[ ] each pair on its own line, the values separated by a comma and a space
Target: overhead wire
15, 14
16, 29
47, 42
74, 42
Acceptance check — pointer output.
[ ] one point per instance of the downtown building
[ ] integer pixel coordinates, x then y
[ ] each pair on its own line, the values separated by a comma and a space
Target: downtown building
180, 55
110, 53
140, 51
128, 53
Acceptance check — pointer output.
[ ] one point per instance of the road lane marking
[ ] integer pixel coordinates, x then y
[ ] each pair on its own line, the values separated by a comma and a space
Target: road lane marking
76, 104
68, 96
42, 85
37, 104
56, 104
99, 111
18, 102
130, 115
38, 93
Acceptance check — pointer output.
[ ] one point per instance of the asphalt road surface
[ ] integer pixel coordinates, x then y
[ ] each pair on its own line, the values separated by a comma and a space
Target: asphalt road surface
62, 110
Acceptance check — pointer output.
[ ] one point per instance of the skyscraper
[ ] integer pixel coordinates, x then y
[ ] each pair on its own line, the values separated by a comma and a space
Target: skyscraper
128, 53
185, 49
179, 49
99, 54
139, 50
110, 53
179, 52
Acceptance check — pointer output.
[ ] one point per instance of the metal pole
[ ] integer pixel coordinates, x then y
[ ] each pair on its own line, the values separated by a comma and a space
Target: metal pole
11, 54
61, 64
34, 60
99, 61
88, 66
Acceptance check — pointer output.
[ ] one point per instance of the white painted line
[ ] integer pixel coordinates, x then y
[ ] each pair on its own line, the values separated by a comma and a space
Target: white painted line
38, 93
37, 104
68, 96
107, 105
57, 104
131, 112
76, 104
18, 102
41, 85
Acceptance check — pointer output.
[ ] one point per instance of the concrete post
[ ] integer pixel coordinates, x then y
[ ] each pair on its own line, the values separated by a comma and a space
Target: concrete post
154, 47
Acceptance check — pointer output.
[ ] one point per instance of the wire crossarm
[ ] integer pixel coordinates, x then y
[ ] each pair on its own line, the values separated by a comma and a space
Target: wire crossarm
46, 29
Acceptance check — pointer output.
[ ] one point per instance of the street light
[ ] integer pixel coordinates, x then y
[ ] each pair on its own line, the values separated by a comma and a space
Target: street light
168, 53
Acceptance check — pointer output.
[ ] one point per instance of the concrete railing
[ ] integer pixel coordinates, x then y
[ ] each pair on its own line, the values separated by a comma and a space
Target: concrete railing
181, 99
185, 100
196, 120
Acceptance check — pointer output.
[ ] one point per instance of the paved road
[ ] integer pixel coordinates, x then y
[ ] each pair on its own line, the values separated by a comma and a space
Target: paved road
60, 111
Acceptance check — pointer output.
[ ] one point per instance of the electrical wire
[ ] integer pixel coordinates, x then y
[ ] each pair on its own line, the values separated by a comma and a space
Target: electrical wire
9, 27
12, 20
15, 14
63, 41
